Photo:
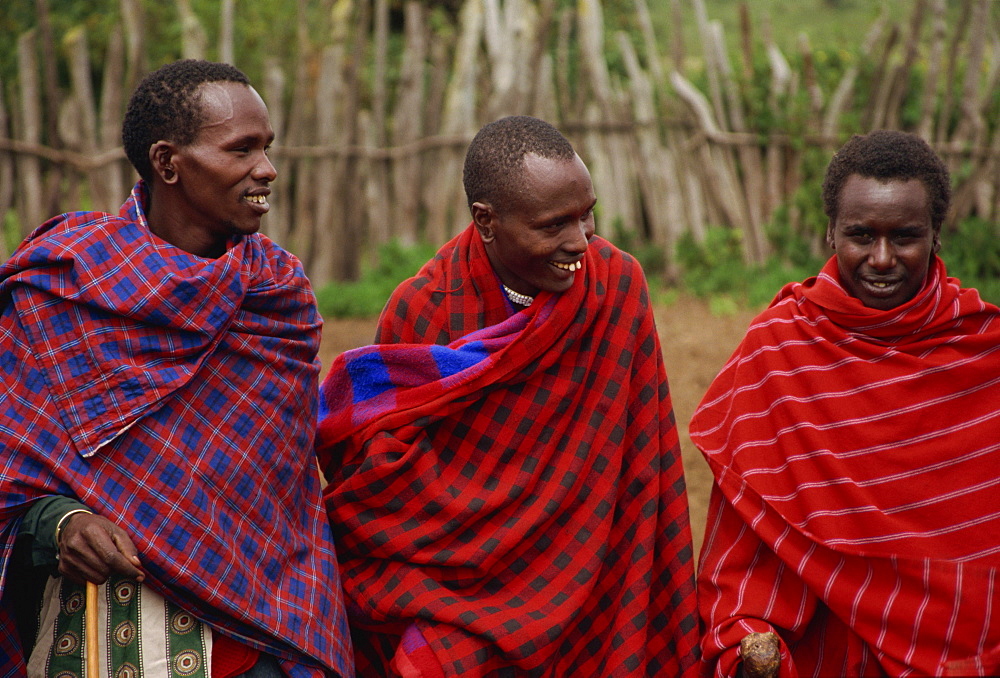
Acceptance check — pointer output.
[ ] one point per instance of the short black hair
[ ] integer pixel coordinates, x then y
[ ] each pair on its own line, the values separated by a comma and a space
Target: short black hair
495, 157
165, 105
885, 155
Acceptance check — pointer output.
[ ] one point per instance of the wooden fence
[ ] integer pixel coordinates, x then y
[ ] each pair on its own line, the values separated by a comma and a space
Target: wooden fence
362, 159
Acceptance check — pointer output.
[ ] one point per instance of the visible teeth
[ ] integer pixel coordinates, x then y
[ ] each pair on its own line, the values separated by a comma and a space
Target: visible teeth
575, 266
259, 199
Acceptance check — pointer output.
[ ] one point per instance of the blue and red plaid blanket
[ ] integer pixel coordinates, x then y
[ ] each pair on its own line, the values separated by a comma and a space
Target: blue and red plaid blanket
174, 395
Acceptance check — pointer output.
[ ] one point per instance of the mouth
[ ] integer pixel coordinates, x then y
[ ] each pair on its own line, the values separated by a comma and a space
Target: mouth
575, 266
258, 200
881, 288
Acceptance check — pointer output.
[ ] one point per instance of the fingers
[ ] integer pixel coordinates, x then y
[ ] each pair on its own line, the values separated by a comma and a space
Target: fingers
91, 548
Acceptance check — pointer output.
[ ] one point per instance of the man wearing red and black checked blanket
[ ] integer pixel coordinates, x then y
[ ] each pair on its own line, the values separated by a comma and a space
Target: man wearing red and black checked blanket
855, 440
505, 480
157, 416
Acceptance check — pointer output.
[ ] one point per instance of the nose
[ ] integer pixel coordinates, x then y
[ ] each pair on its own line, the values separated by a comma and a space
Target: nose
882, 255
264, 171
582, 235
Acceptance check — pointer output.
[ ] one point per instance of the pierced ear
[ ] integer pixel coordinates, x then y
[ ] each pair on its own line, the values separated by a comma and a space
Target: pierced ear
161, 156
484, 219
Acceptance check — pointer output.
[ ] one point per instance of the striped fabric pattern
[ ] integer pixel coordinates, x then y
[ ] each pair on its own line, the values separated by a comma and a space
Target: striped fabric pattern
506, 488
857, 502
173, 395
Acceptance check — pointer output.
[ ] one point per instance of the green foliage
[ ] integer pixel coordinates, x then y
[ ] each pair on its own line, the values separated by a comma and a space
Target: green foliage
365, 297
649, 255
972, 254
715, 268
262, 30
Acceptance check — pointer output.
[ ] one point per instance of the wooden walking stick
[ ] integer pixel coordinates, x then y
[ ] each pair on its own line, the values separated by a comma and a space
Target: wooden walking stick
90, 632
761, 655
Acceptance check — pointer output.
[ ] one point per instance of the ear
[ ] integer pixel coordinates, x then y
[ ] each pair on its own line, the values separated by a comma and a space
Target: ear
936, 247
161, 157
485, 220
829, 234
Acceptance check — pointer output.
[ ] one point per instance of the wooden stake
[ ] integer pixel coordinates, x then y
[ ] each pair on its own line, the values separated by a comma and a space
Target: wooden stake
90, 631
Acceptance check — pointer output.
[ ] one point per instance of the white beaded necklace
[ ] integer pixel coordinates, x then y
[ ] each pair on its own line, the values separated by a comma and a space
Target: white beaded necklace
517, 297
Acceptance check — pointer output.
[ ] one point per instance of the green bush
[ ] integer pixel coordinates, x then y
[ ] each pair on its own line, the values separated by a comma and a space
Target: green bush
972, 254
714, 269
365, 297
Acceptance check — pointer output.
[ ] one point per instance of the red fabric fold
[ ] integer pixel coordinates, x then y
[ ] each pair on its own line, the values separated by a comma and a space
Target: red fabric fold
528, 510
857, 501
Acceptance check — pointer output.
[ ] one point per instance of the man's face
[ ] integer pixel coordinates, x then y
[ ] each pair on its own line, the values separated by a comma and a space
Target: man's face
223, 175
883, 239
536, 240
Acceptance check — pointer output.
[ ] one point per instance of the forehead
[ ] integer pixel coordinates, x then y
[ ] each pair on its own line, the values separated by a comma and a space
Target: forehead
551, 186
232, 106
870, 194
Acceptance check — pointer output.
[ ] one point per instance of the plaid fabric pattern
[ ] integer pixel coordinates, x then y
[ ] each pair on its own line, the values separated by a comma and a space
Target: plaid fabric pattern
513, 493
172, 395
857, 504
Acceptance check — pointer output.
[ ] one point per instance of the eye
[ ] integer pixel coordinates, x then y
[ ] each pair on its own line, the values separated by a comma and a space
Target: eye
908, 236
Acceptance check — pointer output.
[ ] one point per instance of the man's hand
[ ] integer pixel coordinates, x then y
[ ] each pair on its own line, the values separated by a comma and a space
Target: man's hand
91, 548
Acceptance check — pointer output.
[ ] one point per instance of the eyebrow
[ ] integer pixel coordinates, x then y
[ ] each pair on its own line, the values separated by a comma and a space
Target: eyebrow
559, 218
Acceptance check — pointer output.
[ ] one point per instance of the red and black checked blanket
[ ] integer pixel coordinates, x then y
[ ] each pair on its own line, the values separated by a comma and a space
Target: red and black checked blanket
506, 488
857, 508
173, 395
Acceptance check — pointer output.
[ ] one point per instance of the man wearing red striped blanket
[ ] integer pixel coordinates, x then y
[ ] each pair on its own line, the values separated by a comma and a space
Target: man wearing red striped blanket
855, 440
505, 475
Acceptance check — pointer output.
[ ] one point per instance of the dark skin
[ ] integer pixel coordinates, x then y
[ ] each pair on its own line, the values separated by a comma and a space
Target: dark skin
537, 239
91, 548
201, 194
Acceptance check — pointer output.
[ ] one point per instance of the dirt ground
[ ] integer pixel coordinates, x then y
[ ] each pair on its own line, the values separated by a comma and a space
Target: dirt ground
696, 344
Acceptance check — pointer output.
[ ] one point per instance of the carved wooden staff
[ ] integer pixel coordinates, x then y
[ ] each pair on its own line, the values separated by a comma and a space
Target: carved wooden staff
90, 632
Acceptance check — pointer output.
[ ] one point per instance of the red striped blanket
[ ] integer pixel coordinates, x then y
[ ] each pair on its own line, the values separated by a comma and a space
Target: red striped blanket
857, 504
511, 497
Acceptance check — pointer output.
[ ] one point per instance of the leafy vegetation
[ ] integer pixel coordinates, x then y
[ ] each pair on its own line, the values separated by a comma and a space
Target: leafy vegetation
365, 297
714, 269
972, 253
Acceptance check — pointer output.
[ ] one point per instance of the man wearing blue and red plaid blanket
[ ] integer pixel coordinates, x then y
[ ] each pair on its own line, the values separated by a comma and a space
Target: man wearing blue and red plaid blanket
505, 474
157, 371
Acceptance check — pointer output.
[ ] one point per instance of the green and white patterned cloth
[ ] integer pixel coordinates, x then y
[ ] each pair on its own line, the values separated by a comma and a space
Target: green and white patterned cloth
141, 634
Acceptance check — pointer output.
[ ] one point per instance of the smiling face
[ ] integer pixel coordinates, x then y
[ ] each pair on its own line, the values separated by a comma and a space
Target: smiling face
536, 240
884, 239
217, 185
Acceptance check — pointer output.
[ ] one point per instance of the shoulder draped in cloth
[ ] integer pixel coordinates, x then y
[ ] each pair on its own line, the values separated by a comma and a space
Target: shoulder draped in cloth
171, 394
857, 504
511, 497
